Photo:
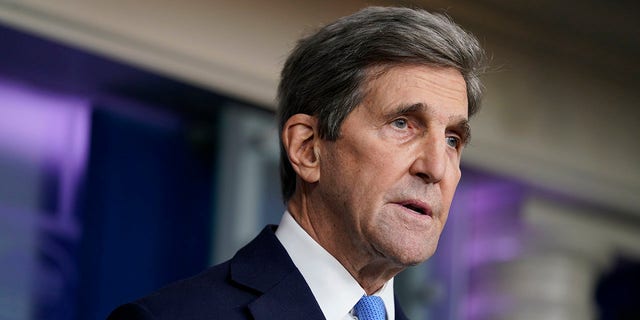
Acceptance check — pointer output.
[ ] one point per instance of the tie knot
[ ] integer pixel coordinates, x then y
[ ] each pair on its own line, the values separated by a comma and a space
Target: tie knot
370, 308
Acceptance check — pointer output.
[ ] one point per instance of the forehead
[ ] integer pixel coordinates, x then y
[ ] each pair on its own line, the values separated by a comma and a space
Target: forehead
439, 87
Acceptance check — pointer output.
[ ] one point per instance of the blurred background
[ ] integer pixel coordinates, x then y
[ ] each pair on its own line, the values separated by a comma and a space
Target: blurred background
138, 146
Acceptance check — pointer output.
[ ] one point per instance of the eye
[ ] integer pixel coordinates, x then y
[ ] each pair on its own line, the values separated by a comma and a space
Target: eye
400, 123
453, 142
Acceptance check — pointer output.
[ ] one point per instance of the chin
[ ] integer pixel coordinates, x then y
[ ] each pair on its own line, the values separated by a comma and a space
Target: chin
409, 257
407, 250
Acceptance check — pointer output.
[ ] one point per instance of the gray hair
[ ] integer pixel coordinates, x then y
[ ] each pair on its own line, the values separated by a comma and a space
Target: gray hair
327, 73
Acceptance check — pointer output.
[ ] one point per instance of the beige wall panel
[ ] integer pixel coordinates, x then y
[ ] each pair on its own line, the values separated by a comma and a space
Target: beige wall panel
548, 122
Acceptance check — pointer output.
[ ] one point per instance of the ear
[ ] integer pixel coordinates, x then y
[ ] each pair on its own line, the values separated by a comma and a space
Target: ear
299, 137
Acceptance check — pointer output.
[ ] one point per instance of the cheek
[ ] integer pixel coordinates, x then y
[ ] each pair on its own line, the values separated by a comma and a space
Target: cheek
457, 174
454, 170
344, 170
364, 161
450, 185
384, 171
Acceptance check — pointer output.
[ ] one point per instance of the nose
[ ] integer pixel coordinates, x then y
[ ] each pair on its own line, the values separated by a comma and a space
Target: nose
431, 161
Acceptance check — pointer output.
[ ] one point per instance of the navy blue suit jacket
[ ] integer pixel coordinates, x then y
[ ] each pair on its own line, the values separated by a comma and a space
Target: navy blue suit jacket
259, 282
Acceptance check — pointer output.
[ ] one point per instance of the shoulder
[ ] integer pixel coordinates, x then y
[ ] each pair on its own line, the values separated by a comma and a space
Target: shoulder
218, 290
210, 292
224, 290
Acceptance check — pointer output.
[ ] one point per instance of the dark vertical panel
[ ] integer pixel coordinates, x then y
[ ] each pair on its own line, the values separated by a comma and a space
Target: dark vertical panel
146, 200
146, 210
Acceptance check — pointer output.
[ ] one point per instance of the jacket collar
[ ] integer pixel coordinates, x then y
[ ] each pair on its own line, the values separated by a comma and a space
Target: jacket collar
399, 314
264, 266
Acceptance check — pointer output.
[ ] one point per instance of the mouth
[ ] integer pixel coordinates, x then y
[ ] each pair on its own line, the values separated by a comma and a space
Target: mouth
417, 207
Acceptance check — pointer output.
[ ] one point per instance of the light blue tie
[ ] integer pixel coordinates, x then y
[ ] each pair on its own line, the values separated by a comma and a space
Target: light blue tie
370, 308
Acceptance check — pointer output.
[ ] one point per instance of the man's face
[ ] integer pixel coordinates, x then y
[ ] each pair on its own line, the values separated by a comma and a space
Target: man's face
387, 182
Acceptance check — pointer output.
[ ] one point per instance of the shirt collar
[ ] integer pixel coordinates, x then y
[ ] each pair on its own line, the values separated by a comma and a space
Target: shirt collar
335, 290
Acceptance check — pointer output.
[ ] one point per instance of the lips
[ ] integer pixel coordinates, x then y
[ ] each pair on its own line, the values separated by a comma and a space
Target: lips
418, 207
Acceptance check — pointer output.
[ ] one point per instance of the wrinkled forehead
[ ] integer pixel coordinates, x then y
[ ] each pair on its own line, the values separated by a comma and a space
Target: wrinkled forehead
381, 80
376, 71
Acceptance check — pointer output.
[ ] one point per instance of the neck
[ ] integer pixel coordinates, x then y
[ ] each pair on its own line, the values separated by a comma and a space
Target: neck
365, 264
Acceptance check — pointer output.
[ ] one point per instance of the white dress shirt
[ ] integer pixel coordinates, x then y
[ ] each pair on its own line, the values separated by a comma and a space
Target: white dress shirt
335, 290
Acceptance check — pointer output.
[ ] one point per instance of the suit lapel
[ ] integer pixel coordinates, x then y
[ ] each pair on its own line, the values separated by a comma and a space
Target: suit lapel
399, 313
289, 299
264, 265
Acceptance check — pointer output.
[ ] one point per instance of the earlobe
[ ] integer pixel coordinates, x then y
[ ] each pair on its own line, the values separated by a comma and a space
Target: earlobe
299, 137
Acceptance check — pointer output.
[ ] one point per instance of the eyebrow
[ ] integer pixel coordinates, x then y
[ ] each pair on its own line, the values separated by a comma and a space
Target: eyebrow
464, 130
410, 108
461, 125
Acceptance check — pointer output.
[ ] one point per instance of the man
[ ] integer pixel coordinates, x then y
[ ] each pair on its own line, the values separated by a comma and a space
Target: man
373, 113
